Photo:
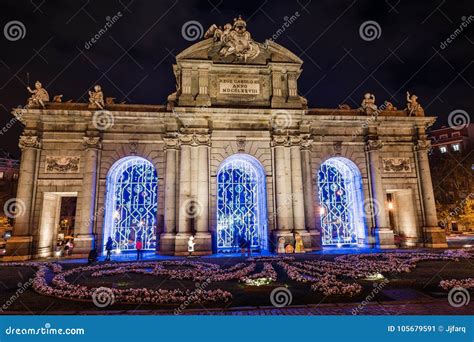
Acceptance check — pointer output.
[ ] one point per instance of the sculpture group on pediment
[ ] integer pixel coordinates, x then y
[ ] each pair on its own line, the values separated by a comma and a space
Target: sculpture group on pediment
234, 40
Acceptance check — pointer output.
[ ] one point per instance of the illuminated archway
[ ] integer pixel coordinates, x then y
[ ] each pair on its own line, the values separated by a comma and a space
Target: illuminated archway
341, 198
131, 204
241, 203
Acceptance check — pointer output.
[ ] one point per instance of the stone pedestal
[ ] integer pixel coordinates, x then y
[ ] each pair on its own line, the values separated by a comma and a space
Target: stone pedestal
167, 243
181, 244
435, 237
385, 238
203, 244
83, 245
315, 238
19, 248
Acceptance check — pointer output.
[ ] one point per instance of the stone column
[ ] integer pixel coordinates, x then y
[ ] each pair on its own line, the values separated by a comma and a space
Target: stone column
434, 236
383, 234
299, 224
84, 241
203, 237
310, 196
20, 244
167, 238
186, 202
283, 199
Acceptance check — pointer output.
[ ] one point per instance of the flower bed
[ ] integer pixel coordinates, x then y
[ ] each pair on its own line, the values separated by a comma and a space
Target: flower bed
332, 278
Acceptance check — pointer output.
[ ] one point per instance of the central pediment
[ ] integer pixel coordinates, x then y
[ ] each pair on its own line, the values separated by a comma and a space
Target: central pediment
229, 68
208, 49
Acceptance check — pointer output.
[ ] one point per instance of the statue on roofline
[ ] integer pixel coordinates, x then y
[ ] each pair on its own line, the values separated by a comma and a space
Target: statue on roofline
39, 95
414, 108
389, 106
96, 97
368, 105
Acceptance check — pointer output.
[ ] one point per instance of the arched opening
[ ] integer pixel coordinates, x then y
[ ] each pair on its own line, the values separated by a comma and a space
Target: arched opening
131, 204
241, 204
341, 199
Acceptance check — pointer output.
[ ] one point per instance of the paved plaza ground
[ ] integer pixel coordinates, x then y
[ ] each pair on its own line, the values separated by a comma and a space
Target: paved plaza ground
414, 292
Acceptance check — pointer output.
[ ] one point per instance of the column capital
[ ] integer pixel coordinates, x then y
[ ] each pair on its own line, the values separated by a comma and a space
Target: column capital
295, 140
171, 143
194, 139
373, 145
91, 143
306, 143
422, 145
280, 140
29, 141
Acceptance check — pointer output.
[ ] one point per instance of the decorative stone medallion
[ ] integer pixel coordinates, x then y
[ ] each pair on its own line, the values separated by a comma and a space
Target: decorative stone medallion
62, 164
396, 164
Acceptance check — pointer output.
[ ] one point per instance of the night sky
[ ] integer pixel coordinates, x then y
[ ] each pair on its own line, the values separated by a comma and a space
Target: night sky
133, 60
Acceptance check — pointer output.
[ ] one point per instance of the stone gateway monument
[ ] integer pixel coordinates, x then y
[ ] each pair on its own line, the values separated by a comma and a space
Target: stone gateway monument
235, 159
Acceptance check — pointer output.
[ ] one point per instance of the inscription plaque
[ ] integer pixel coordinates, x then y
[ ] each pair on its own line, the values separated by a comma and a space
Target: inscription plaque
239, 86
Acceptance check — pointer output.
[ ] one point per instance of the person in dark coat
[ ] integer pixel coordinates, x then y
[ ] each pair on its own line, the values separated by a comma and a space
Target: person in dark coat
108, 247
92, 256
242, 243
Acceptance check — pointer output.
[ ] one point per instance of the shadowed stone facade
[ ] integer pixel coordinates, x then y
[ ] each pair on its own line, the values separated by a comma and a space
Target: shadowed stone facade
226, 103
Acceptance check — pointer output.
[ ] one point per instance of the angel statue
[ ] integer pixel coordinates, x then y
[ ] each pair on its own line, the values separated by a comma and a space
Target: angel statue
96, 97
368, 104
39, 95
413, 106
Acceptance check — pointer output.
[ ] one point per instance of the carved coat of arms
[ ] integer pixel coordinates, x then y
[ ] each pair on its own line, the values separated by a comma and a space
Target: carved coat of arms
234, 40
396, 164
62, 164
